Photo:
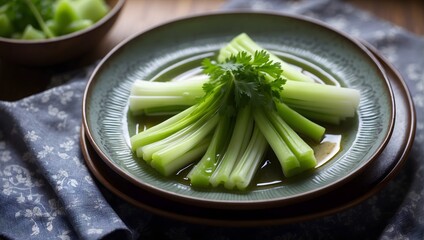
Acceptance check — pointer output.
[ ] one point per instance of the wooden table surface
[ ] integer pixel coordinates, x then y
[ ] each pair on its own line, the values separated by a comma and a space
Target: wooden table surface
17, 82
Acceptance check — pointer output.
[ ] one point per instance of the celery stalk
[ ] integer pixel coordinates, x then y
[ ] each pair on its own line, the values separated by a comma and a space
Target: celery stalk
200, 174
148, 150
147, 95
162, 158
6, 28
169, 167
190, 86
300, 148
289, 163
164, 110
242, 131
203, 109
140, 103
299, 123
137, 140
243, 42
246, 168
321, 117
321, 93
335, 109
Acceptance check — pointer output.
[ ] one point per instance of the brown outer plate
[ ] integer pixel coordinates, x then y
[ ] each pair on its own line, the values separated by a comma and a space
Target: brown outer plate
368, 183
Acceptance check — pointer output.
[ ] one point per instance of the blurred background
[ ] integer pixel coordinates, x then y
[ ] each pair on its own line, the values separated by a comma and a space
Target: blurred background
17, 81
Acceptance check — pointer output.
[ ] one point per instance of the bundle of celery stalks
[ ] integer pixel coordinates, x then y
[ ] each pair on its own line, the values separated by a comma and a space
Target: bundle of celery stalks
226, 119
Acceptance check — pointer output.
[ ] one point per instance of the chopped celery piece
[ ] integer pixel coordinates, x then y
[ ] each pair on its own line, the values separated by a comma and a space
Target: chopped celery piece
244, 43
52, 17
165, 130
162, 111
137, 140
31, 33
248, 165
163, 158
146, 95
289, 163
78, 25
93, 10
324, 94
238, 143
200, 174
191, 86
53, 27
140, 103
299, 123
65, 13
320, 117
302, 151
169, 167
6, 28
149, 149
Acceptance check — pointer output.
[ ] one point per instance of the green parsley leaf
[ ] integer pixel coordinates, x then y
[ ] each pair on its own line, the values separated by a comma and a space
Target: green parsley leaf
242, 79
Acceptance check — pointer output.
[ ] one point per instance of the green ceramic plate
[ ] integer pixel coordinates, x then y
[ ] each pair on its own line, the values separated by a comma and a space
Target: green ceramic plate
175, 49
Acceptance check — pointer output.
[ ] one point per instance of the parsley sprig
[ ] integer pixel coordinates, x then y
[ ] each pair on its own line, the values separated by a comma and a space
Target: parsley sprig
242, 79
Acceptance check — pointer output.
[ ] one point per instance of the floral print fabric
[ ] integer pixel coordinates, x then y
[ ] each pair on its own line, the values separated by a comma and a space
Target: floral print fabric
46, 190
48, 193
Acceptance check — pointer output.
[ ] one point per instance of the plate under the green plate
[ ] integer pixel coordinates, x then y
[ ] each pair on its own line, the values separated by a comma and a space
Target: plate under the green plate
175, 49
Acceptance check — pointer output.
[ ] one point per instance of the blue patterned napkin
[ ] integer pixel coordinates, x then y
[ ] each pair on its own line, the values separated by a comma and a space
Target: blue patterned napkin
47, 192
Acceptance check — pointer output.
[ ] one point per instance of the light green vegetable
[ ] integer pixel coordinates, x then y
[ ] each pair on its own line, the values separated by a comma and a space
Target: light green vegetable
200, 174
31, 33
324, 103
92, 10
64, 14
77, 25
289, 163
51, 17
244, 43
148, 95
239, 140
299, 123
5, 25
299, 148
39, 18
243, 173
